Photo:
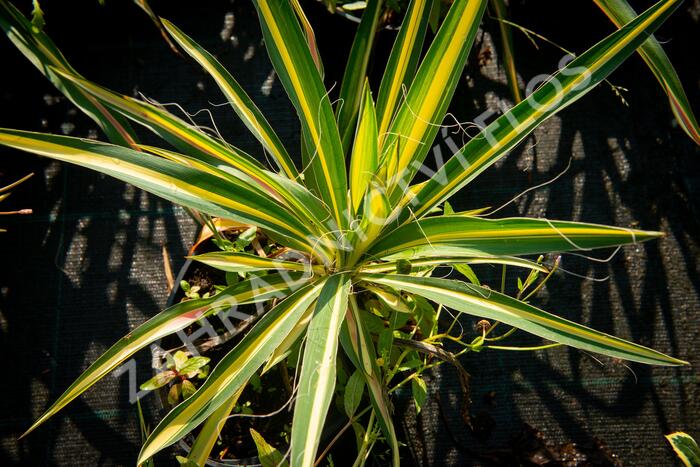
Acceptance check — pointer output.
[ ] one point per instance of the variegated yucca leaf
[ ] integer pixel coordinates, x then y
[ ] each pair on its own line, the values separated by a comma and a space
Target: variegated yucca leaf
169, 321
365, 153
317, 378
233, 370
436, 260
351, 89
402, 63
475, 236
182, 135
420, 114
245, 262
358, 346
174, 182
244, 107
489, 304
209, 434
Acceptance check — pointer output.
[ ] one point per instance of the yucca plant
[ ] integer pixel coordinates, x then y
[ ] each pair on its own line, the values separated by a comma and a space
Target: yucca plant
355, 232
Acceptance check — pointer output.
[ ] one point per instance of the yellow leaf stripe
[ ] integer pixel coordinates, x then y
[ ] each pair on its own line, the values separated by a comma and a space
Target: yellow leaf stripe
165, 185
390, 266
685, 447
235, 262
364, 160
620, 12
522, 235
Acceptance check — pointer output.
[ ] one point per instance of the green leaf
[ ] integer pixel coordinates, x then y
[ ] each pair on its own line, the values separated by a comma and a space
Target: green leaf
374, 212
564, 88
455, 261
391, 299
158, 381
37, 16
365, 159
233, 370
297, 71
241, 103
187, 389
268, 455
209, 151
174, 394
620, 13
317, 377
193, 365
205, 152
167, 322
354, 79
358, 346
184, 136
459, 235
419, 391
489, 304
246, 237
467, 272
686, 448
290, 343
354, 390
295, 196
180, 357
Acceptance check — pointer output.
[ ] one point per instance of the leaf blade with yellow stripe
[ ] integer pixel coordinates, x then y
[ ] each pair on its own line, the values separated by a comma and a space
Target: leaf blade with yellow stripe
317, 377
172, 181
402, 63
489, 304
443, 235
419, 116
365, 158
